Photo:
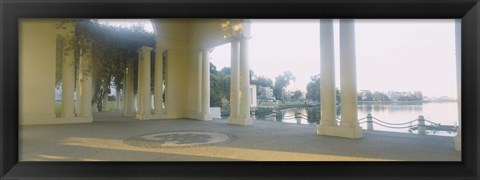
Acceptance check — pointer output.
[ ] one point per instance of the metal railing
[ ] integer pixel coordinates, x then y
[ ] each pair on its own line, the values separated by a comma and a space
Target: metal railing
420, 124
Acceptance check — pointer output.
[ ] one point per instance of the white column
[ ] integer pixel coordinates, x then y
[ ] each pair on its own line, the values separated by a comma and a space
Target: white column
199, 82
327, 75
85, 92
144, 86
139, 105
234, 81
68, 84
244, 113
158, 84
129, 95
348, 83
242, 89
117, 98
95, 107
206, 115
105, 103
77, 93
458, 57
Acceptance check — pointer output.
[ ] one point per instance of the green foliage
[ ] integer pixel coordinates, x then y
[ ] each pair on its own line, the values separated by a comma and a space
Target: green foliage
219, 85
378, 96
366, 95
112, 48
297, 95
263, 81
281, 82
313, 88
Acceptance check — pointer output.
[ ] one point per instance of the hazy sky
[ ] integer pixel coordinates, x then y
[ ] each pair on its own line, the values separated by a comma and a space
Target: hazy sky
400, 55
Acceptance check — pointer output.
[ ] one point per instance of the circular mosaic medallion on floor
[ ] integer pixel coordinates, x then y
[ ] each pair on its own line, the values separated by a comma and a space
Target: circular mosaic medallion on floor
178, 139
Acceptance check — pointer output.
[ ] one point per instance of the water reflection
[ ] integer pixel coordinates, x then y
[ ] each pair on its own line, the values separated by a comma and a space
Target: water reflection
416, 107
444, 113
300, 115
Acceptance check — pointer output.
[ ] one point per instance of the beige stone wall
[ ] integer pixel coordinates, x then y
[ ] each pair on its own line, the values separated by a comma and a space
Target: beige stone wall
172, 34
207, 33
37, 53
184, 38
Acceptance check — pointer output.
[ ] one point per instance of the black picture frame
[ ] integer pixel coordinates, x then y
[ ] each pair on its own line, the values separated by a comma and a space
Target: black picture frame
10, 11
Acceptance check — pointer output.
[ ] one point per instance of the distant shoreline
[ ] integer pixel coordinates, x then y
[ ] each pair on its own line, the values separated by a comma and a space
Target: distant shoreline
406, 101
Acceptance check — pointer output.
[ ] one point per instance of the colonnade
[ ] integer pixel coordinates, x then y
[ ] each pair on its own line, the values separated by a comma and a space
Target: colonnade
144, 102
84, 90
348, 126
240, 79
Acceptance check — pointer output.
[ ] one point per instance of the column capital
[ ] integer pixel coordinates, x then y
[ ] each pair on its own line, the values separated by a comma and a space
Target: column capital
236, 29
159, 49
203, 49
144, 49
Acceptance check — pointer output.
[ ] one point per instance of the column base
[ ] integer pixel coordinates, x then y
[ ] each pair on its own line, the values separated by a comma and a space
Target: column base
156, 112
339, 131
67, 115
240, 121
129, 114
143, 116
458, 143
206, 117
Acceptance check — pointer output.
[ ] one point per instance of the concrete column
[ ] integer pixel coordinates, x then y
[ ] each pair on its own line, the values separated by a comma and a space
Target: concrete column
118, 95
77, 93
244, 113
421, 125
348, 81
95, 107
242, 76
458, 58
199, 82
68, 84
234, 81
206, 115
139, 105
105, 103
369, 122
158, 84
327, 74
129, 95
144, 88
85, 92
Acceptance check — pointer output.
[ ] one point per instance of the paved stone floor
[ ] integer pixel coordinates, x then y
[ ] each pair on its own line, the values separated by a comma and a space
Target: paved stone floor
112, 137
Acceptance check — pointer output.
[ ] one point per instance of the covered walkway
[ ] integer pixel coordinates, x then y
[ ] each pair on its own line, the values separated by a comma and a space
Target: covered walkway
108, 139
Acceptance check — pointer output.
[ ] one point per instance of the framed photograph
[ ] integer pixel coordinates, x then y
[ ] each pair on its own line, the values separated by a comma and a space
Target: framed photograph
239, 90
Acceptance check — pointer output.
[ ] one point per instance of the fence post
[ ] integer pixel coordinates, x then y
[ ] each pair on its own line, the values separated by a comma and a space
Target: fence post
274, 117
298, 118
369, 122
421, 125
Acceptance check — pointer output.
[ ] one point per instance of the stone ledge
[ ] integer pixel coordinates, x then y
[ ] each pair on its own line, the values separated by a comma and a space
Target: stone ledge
240, 121
339, 131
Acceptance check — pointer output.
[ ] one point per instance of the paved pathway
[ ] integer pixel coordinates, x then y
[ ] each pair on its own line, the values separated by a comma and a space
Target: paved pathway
114, 138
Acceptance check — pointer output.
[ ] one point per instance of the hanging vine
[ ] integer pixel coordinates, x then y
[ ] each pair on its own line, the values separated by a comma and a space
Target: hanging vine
112, 48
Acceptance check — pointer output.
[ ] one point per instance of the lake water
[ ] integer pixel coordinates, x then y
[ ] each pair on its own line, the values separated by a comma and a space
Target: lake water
445, 113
